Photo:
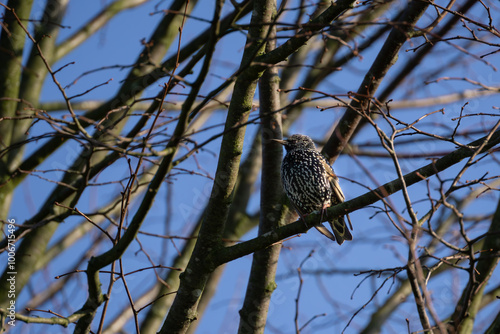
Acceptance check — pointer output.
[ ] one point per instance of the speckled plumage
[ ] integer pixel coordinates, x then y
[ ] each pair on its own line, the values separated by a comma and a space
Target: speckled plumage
311, 184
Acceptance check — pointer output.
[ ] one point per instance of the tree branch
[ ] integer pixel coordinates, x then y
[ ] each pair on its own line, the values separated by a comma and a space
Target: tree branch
261, 283
231, 253
386, 58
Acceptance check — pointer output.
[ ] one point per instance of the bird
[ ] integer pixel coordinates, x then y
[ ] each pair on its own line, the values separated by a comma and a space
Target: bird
311, 184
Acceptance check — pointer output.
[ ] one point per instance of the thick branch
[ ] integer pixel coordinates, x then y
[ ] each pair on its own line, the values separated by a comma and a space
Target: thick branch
93, 26
261, 284
293, 44
469, 304
11, 55
231, 253
386, 58
183, 311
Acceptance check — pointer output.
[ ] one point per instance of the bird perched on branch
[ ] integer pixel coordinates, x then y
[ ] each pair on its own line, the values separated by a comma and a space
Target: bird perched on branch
311, 184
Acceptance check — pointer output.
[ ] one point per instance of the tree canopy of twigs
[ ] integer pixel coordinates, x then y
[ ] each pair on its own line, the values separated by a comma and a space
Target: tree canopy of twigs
140, 186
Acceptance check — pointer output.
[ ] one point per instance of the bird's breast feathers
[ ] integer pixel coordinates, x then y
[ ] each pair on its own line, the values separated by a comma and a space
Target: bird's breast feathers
306, 180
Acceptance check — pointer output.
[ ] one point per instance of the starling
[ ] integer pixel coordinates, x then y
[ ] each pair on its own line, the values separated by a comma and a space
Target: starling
311, 184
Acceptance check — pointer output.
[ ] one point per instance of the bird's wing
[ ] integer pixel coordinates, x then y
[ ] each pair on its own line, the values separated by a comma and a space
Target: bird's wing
334, 182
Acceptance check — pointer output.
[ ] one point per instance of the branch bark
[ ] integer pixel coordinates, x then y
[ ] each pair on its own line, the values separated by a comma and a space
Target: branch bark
183, 310
261, 283
12, 46
386, 58
200, 266
231, 253
470, 302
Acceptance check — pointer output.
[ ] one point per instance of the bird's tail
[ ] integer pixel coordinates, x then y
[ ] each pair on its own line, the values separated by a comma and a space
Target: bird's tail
340, 230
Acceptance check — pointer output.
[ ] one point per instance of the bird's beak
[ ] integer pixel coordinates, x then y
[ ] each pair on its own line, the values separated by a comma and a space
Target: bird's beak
282, 142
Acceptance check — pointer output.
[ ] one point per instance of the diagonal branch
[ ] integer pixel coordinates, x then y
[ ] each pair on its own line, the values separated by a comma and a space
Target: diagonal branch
386, 58
231, 253
183, 310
